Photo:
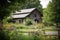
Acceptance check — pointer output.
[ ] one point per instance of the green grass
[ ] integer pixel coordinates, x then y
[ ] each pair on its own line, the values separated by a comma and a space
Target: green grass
17, 35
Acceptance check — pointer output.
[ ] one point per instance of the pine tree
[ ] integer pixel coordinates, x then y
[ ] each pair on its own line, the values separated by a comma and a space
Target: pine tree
52, 13
47, 14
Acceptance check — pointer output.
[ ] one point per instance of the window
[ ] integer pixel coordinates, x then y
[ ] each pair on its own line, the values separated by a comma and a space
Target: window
36, 20
34, 15
20, 21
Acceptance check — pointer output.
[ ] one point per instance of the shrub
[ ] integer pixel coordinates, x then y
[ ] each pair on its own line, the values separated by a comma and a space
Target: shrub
4, 35
28, 22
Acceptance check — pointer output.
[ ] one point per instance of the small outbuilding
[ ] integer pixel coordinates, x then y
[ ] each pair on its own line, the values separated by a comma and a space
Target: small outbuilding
22, 15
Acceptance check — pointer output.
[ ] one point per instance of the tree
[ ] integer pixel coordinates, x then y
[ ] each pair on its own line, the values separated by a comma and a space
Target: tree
47, 14
32, 4
52, 13
6, 7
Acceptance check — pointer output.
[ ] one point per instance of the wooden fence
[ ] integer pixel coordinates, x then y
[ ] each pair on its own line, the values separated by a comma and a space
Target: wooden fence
52, 35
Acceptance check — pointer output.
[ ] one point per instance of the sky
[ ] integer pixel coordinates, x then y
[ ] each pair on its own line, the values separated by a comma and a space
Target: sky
44, 3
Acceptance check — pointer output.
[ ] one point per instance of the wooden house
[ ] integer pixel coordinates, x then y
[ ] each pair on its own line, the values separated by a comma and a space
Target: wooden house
32, 13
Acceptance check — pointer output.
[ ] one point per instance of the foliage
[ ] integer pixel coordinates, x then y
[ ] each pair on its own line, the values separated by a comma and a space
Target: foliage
4, 35
32, 4
8, 6
28, 22
39, 25
46, 14
9, 19
51, 13
16, 35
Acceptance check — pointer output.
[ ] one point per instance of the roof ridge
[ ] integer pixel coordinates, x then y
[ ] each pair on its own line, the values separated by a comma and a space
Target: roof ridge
26, 9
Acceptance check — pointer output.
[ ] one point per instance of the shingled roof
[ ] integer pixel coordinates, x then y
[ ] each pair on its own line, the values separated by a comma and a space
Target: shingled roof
22, 13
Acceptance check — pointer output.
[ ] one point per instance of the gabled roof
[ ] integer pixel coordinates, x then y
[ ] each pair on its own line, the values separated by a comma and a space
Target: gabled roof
20, 15
23, 13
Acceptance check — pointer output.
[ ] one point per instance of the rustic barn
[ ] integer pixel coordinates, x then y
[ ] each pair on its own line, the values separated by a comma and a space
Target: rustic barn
32, 13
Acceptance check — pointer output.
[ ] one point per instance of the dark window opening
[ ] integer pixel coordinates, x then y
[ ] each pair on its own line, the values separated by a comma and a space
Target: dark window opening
35, 15
36, 20
20, 21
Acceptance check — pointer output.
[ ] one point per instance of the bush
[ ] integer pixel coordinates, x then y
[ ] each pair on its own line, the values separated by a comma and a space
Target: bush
28, 22
4, 35
48, 24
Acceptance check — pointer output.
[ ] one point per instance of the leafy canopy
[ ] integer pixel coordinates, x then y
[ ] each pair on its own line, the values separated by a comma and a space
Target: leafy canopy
52, 12
8, 6
31, 4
